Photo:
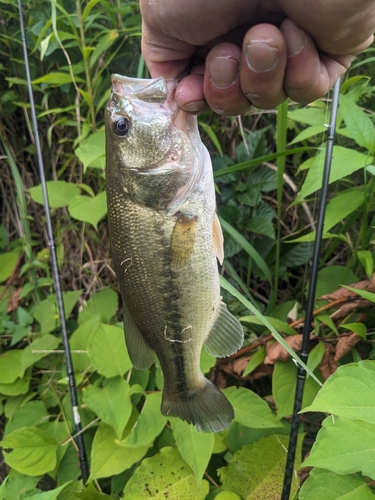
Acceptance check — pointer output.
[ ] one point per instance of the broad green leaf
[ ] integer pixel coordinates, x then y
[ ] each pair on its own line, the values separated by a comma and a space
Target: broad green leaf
79, 343
107, 351
149, 425
207, 361
325, 484
248, 248
108, 457
344, 162
349, 393
310, 115
12, 404
104, 304
338, 208
358, 328
227, 495
46, 312
19, 386
165, 475
308, 132
92, 150
358, 123
195, 447
257, 470
331, 277
88, 209
60, 193
344, 446
50, 495
38, 349
250, 409
111, 403
256, 359
30, 451
11, 366
13, 487
31, 414
279, 325
57, 78
8, 262
284, 387
362, 293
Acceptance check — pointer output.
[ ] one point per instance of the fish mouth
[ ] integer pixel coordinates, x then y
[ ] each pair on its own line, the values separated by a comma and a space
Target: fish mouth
152, 90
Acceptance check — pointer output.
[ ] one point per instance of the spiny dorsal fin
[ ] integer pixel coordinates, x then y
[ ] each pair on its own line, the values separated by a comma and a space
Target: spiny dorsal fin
226, 335
183, 238
140, 353
218, 239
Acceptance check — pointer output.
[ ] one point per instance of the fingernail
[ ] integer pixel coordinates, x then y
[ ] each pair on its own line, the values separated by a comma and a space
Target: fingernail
223, 72
193, 107
295, 39
261, 57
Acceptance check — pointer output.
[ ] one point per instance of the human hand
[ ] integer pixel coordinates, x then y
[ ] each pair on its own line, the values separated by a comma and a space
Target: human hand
259, 52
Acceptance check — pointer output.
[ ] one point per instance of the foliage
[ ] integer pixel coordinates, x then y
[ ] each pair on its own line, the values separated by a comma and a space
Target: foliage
267, 175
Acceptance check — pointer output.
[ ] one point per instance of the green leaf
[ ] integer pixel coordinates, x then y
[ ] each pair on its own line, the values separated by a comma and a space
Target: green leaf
30, 451
165, 475
365, 258
80, 341
257, 470
107, 351
250, 409
207, 361
91, 493
104, 304
91, 151
111, 403
8, 262
362, 293
38, 349
11, 366
105, 42
13, 487
344, 162
284, 387
248, 248
278, 324
256, 359
56, 78
349, 392
358, 328
50, 495
108, 457
87, 209
149, 425
344, 446
195, 447
310, 115
60, 193
325, 484
19, 386
358, 123
307, 133
211, 134
31, 414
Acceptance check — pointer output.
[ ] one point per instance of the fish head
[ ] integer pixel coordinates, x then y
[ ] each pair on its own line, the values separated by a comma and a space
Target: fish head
153, 148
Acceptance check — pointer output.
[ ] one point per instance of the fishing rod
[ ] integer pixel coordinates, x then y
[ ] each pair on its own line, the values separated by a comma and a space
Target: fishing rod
301, 372
55, 270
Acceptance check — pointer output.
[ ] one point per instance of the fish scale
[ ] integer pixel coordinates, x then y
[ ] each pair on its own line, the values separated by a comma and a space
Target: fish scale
165, 237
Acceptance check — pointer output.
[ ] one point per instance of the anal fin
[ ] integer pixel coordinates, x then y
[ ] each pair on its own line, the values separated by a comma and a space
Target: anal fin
140, 353
226, 335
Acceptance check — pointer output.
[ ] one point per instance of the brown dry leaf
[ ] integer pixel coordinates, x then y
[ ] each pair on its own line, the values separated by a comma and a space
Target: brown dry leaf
303, 473
345, 343
276, 352
14, 300
262, 371
239, 365
328, 364
349, 307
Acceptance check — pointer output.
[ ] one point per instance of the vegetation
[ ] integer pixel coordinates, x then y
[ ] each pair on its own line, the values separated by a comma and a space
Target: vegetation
267, 204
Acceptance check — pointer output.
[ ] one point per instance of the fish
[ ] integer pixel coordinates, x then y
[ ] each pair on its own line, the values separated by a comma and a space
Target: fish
165, 240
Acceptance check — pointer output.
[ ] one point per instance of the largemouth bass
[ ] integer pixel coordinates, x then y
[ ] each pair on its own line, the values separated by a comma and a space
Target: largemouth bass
165, 239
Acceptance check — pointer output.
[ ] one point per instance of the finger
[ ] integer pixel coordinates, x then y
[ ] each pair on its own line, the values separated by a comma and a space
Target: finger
263, 65
221, 87
189, 93
308, 75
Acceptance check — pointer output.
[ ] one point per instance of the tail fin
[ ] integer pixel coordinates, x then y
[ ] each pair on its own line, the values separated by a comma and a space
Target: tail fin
205, 406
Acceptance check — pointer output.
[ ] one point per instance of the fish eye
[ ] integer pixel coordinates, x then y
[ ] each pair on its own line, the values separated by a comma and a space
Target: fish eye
122, 126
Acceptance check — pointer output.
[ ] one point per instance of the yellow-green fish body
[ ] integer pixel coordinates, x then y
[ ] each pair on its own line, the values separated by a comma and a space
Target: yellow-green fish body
165, 240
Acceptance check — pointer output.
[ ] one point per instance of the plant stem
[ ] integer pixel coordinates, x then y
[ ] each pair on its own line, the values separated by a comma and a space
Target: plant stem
86, 64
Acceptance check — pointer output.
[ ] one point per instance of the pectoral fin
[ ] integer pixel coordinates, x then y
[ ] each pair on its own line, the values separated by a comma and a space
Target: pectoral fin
140, 353
218, 239
226, 335
183, 238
